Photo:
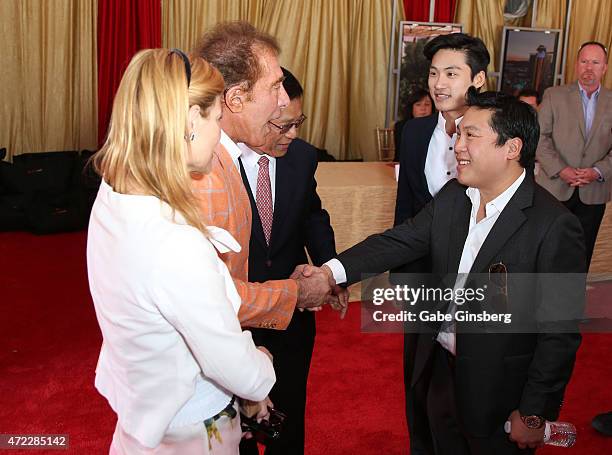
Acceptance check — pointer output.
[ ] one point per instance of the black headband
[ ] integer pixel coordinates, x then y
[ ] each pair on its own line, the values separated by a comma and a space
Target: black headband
185, 61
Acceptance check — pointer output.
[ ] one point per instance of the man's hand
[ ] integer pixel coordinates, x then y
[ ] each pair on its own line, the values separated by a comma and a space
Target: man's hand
586, 176
339, 300
569, 175
256, 409
523, 436
314, 286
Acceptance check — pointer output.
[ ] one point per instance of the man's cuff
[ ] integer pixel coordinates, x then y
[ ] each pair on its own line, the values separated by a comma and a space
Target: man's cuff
601, 177
337, 270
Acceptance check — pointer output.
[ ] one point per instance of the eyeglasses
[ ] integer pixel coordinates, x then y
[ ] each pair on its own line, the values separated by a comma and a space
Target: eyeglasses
282, 129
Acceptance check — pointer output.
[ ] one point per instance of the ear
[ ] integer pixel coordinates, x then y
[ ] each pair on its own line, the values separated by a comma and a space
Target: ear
479, 80
234, 98
515, 145
194, 113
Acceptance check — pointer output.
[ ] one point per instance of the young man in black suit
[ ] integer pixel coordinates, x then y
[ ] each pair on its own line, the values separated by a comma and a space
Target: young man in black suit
427, 161
493, 216
281, 235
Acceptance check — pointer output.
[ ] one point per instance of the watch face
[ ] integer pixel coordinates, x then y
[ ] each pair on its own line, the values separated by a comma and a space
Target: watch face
533, 421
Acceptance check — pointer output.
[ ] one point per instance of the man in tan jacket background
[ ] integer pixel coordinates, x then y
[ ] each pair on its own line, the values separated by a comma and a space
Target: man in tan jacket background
574, 151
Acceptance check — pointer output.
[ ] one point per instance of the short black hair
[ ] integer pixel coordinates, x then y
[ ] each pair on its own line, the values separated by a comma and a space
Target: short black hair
593, 43
510, 118
526, 92
476, 54
291, 85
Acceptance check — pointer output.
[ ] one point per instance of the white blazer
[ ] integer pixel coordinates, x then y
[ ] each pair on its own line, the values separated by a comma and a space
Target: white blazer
167, 307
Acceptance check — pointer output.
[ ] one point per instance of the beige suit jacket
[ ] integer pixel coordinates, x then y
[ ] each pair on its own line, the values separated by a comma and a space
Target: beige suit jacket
563, 142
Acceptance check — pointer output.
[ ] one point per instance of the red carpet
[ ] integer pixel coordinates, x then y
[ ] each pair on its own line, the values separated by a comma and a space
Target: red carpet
50, 342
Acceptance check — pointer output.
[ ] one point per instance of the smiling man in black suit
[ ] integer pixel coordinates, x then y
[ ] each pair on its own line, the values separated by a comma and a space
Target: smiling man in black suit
427, 159
493, 214
288, 220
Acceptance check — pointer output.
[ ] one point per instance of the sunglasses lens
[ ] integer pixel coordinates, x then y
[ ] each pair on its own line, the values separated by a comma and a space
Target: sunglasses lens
497, 274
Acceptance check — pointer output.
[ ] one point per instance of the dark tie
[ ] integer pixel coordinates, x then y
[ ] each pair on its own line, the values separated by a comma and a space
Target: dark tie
264, 197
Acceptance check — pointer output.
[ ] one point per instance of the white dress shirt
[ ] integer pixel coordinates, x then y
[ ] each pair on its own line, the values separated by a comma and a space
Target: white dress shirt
231, 147
440, 164
173, 351
250, 159
589, 106
477, 234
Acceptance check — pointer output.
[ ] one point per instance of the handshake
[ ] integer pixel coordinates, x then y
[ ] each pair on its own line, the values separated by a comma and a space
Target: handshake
316, 287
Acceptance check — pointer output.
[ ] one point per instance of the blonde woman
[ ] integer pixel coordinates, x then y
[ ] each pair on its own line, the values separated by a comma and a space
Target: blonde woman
173, 354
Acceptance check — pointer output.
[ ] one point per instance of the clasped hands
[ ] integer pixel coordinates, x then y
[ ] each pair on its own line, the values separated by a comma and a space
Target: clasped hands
316, 287
578, 176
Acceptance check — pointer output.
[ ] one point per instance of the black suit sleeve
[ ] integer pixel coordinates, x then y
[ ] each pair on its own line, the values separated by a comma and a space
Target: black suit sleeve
404, 201
562, 252
320, 242
397, 138
400, 245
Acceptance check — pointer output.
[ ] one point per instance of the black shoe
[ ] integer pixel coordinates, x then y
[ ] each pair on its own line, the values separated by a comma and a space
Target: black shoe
603, 423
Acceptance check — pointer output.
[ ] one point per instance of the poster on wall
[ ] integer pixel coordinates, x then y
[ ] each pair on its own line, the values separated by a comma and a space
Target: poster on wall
529, 59
412, 64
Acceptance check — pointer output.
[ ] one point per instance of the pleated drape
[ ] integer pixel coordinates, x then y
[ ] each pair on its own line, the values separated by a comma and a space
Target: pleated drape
48, 75
590, 20
338, 49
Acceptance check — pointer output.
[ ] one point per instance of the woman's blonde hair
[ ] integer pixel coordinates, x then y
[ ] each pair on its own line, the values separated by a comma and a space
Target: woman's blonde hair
147, 145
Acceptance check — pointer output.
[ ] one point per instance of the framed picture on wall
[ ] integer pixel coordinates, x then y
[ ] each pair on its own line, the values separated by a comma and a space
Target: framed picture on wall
413, 67
529, 59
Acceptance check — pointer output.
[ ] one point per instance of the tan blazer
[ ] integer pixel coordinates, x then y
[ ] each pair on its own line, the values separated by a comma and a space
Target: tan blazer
563, 142
224, 202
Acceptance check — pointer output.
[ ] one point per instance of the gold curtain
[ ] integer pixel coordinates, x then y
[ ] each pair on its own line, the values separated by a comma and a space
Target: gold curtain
337, 49
184, 21
49, 75
590, 21
367, 74
551, 14
314, 36
485, 20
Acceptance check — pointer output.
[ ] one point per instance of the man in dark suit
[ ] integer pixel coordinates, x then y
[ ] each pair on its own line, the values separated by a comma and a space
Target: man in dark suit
292, 221
427, 162
427, 159
503, 222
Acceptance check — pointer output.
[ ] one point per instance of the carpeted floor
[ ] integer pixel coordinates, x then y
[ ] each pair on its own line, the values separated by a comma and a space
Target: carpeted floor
49, 342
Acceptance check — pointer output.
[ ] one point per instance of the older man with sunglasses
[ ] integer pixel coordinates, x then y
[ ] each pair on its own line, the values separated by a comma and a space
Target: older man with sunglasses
491, 223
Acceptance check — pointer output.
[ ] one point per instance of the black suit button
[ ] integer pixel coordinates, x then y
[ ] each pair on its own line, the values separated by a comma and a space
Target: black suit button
268, 263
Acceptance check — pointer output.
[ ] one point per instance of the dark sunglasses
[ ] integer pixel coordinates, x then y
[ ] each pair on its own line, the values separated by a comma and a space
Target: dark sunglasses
282, 129
498, 275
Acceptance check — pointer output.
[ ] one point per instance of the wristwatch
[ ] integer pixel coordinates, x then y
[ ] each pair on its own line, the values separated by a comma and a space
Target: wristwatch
534, 422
